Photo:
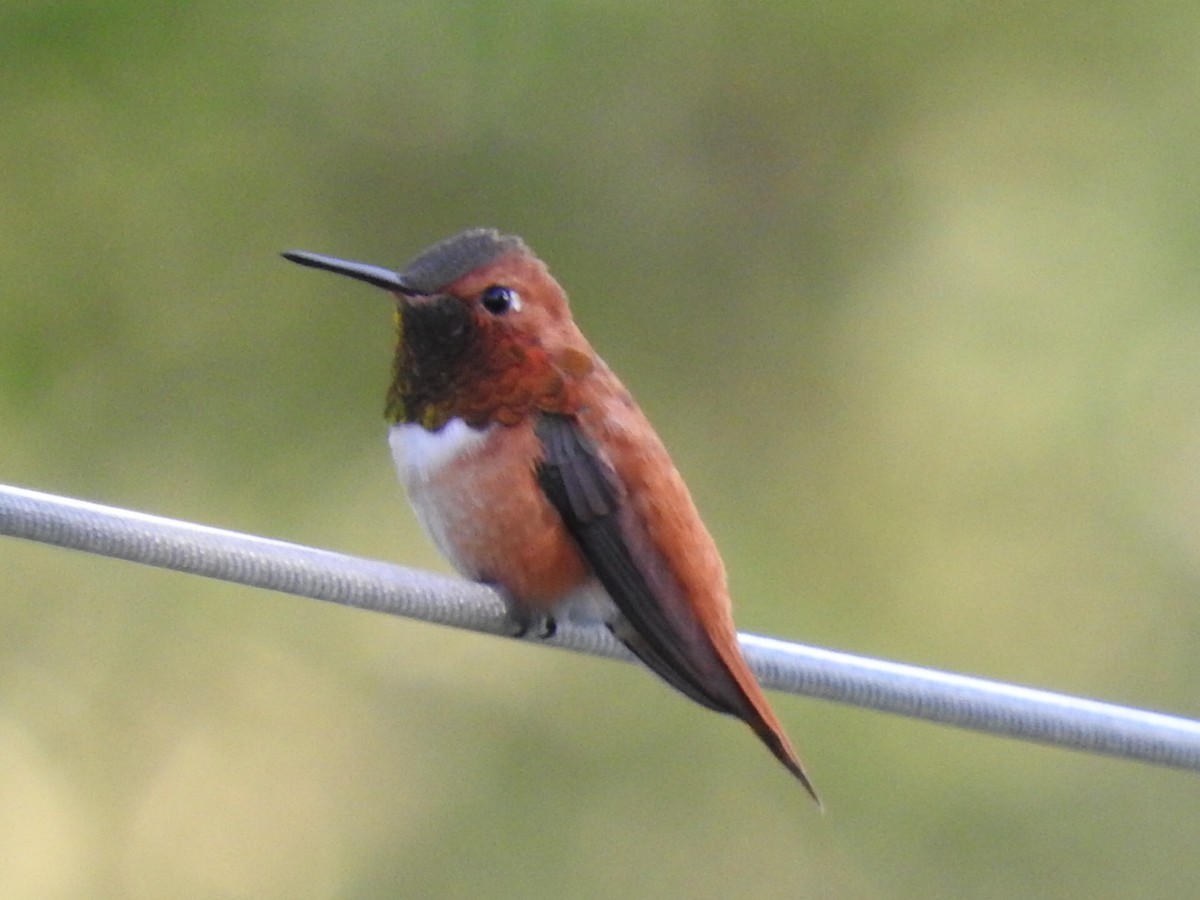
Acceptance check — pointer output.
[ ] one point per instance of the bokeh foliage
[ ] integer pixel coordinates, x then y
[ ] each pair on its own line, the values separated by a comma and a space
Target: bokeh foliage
910, 289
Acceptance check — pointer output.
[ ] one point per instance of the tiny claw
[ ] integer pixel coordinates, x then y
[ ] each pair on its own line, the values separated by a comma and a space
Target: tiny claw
520, 622
537, 625
525, 622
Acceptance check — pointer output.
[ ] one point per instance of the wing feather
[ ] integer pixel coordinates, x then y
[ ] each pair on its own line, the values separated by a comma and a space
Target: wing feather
585, 492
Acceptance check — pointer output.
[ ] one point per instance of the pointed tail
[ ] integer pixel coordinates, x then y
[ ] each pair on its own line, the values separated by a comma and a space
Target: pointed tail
771, 734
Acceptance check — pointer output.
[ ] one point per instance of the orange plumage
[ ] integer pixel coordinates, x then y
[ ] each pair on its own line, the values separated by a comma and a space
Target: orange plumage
533, 469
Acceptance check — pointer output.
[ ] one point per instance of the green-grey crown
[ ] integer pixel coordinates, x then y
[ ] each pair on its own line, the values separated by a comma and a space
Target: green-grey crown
449, 260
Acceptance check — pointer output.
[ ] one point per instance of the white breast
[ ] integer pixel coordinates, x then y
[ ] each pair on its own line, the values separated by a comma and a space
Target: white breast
420, 454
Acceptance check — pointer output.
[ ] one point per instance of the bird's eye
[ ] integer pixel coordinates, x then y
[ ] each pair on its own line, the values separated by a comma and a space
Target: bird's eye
499, 300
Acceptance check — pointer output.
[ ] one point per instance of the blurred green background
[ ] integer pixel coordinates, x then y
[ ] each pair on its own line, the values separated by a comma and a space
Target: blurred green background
911, 290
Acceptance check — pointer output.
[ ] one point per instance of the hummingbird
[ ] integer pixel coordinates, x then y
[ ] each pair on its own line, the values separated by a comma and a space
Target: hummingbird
533, 470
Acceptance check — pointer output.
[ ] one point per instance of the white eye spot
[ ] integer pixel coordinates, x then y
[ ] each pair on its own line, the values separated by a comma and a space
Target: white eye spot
500, 300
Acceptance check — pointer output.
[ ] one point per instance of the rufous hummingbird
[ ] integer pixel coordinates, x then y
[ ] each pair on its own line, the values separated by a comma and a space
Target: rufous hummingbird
533, 470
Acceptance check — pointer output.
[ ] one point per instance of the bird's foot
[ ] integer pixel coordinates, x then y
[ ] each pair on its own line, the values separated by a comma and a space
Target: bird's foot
524, 621
533, 624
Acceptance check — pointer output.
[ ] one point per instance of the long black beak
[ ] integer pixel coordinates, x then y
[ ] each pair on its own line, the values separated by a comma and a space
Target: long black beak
376, 275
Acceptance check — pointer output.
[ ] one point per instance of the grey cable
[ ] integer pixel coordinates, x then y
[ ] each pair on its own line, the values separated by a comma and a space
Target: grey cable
973, 703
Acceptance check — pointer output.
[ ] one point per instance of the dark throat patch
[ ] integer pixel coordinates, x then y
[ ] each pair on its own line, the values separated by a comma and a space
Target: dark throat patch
434, 339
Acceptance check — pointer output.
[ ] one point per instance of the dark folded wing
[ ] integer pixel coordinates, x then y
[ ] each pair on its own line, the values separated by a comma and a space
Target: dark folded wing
584, 490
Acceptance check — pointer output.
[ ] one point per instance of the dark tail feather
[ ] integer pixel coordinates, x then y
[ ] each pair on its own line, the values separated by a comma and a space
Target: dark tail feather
782, 751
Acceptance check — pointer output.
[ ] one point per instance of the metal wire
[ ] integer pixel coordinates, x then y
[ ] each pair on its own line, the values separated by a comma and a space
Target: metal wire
966, 702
